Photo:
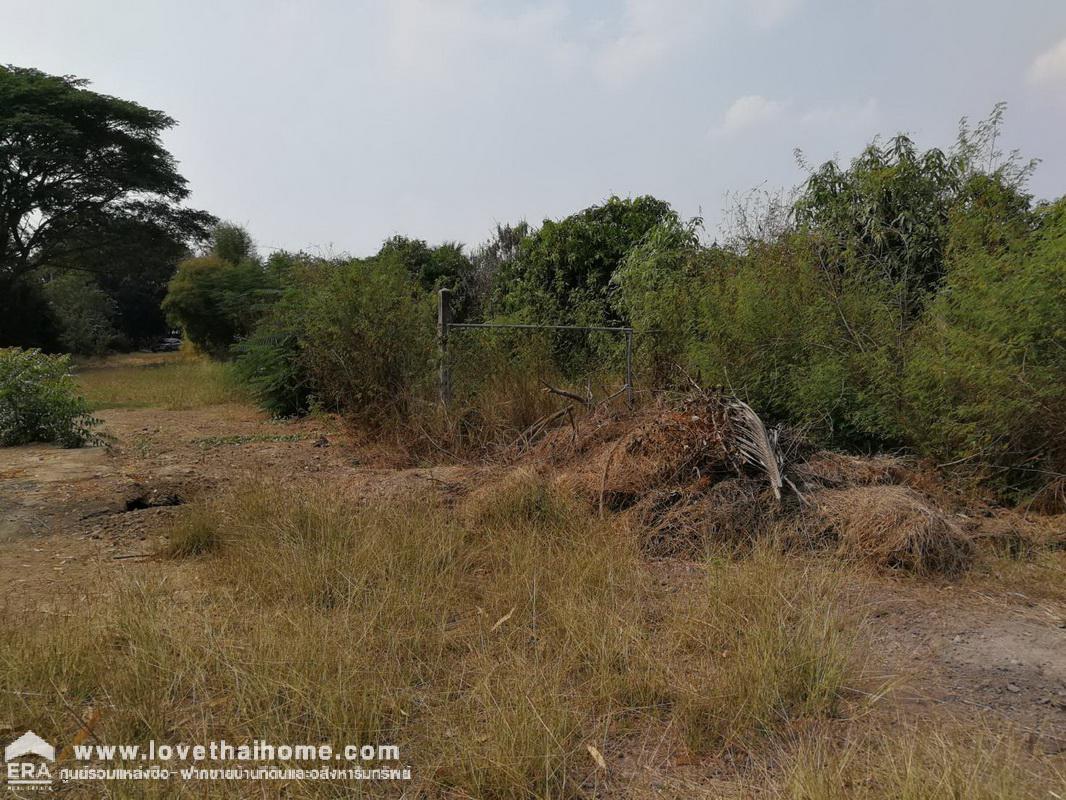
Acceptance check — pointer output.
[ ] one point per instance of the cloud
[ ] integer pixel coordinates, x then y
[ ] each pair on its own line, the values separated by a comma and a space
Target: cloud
437, 41
648, 32
753, 112
750, 111
858, 115
651, 31
442, 41
1050, 67
768, 13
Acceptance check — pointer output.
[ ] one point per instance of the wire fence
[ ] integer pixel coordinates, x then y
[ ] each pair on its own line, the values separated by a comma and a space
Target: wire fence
445, 326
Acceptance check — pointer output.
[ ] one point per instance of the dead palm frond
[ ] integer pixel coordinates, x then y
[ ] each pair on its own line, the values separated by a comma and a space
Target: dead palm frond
753, 444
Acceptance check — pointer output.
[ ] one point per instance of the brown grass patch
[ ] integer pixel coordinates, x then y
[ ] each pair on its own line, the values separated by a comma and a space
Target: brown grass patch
927, 762
492, 642
892, 527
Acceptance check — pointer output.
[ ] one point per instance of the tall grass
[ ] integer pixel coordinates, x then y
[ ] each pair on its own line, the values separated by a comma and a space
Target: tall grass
932, 762
171, 380
492, 642
762, 642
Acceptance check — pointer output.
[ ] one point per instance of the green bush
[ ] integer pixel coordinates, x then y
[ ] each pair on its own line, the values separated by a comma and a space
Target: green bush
987, 383
563, 273
354, 336
268, 362
366, 336
802, 344
217, 302
39, 401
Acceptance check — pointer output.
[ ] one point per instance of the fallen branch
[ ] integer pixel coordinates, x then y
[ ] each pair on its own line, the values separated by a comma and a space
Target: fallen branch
528, 434
563, 393
611, 397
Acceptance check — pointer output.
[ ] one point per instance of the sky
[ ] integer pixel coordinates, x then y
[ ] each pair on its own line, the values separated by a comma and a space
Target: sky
330, 126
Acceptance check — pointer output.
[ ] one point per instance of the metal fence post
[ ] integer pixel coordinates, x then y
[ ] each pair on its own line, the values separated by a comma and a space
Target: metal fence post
444, 318
629, 368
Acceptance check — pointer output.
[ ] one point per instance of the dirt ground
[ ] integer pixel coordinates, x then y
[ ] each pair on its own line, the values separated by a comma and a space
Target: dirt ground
71, 519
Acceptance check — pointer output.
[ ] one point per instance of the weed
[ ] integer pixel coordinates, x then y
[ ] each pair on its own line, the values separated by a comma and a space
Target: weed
929, 763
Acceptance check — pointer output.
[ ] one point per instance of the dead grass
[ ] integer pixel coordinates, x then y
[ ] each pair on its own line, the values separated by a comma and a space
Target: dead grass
492, 642
893, 527
931, 762
1037, 574
765, 641
160, 380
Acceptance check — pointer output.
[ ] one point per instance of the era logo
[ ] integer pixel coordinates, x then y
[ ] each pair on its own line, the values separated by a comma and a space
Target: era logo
22, 772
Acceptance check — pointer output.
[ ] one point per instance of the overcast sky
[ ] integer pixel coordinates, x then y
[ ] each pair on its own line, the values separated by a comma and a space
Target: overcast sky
332, 125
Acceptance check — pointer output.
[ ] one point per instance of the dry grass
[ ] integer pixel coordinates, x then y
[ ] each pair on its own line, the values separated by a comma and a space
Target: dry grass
765, 641
927, 763
492, 642
1038, 574
159, 380
893, 527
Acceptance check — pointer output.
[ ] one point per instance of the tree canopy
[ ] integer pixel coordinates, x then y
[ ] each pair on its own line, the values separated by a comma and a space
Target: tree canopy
563, 270
85, 182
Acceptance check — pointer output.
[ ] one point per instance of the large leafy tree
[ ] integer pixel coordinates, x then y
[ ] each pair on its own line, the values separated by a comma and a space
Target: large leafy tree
563, 270
84, 181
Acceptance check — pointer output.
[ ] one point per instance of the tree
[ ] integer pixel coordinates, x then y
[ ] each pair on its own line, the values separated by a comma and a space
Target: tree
218, 303
886, 216
84, 179
85, 313
486, 263
563, 270
445, 266
232, 243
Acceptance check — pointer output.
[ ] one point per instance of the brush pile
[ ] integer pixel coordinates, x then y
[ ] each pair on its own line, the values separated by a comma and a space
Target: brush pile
705, 471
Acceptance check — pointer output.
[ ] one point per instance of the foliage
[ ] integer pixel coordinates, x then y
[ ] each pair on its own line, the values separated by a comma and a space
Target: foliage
269, 364
217, 302
85, 179
366, 334
653, 283
563, 270
39, 401
26, 317
85, 313
442, 267
987, 385
803, 348
486, 263
232, 243
886, 217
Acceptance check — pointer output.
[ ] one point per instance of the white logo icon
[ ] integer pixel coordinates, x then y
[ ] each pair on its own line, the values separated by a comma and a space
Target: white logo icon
28, 773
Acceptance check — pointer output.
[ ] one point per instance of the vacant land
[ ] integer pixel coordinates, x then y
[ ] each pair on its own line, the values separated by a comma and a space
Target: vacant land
218, 574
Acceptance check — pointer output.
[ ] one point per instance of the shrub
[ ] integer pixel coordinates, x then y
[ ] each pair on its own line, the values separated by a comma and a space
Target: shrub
800, 343
39, 401
365, 332
217, 302
268, 363
987, 384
